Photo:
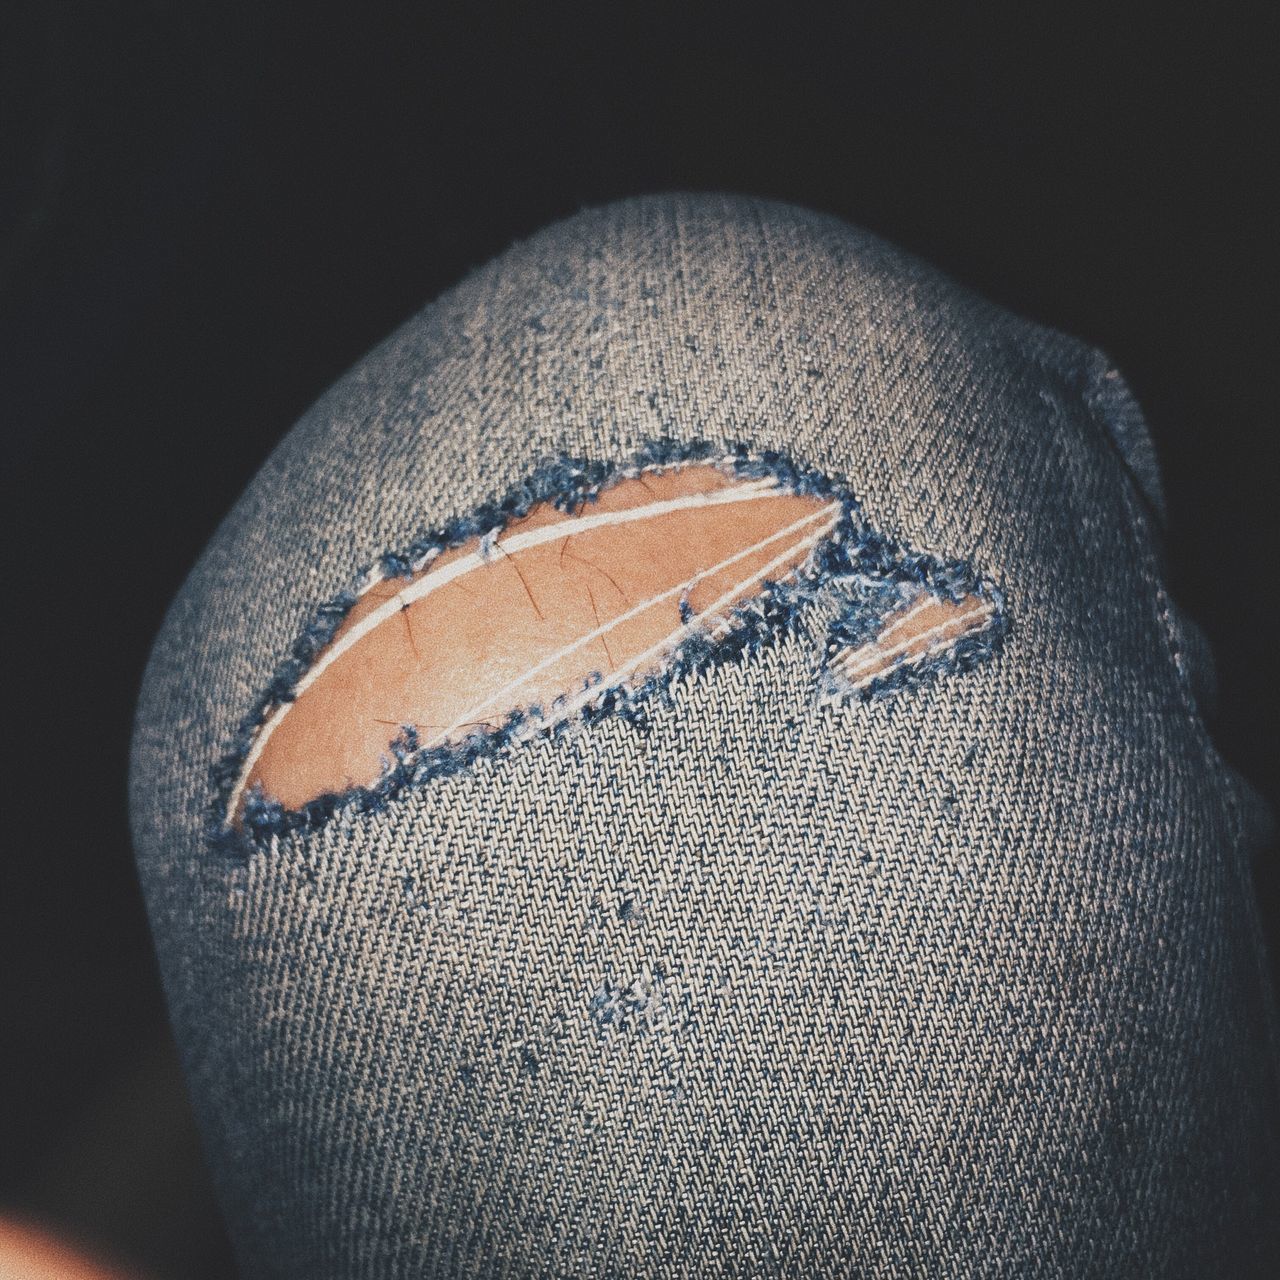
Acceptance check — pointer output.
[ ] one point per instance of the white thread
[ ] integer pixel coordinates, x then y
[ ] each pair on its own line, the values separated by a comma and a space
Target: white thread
875, 656
764, 488
617, 677
374, 578
874, 653
469, 715
520, 542
918, 605
930, 652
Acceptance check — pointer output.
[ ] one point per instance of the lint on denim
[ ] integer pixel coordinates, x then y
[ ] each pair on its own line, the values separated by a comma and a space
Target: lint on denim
894, 619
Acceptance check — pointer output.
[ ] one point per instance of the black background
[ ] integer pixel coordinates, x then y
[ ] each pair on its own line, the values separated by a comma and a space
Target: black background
210, 210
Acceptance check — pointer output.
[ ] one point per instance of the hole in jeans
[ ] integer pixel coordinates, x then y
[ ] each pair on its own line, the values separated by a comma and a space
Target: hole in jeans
590, 589
548, 613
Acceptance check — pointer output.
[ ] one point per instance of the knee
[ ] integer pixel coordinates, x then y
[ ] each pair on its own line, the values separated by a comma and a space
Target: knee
709, 324
716, 351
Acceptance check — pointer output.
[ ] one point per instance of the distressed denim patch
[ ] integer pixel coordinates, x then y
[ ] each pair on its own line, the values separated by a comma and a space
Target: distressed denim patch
896, 618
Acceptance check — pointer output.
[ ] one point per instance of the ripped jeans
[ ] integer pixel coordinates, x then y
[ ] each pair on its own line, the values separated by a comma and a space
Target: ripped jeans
850, 888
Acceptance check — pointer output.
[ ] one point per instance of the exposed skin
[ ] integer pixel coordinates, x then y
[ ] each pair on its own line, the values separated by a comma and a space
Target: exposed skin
455, 654
522, 627
911, 633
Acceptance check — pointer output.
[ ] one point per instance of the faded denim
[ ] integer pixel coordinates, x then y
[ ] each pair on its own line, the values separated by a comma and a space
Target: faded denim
965, 980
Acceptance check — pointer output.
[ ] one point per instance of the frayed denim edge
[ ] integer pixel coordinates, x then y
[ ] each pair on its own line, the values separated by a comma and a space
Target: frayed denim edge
962, 654
854, 551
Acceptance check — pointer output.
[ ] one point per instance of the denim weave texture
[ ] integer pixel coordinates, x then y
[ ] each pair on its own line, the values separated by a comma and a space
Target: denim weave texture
965, 980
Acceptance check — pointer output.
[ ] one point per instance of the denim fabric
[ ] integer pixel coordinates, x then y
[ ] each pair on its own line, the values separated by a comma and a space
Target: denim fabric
962, 981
